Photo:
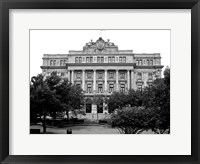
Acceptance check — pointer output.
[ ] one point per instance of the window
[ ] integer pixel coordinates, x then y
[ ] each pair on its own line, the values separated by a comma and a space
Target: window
100, 108
78, 85
140, 62
111, 75
140, 76
120, 59
51, 62
139, 87
62, 73
100, 75
64, 61
89, 88
122, 87
54, 62
91, 60
124, 59
111, 88
87, 59
88, 108
100, 88
98, 59
109, 59
61, 62
137, 62
89, 75
76, 60
80, 59
102, 59
147, 62
150, 76
78, 75
113, 59
122, 75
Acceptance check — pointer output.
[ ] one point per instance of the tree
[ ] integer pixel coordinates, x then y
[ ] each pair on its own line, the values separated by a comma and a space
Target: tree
158, 97
132, 120
52, 95
42, 99
117, 101
70, 96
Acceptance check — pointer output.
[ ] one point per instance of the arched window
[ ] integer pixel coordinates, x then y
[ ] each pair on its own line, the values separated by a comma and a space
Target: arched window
139, 75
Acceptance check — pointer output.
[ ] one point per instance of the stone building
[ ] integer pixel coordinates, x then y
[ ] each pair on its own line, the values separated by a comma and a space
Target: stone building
101, 69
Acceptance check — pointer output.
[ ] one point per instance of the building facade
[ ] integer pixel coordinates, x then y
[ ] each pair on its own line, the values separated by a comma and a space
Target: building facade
101, 69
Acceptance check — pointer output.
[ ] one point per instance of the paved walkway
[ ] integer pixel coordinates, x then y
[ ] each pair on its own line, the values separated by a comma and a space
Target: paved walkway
80, 129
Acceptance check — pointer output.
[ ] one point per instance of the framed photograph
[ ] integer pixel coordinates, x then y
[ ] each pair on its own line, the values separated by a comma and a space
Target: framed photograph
99, 81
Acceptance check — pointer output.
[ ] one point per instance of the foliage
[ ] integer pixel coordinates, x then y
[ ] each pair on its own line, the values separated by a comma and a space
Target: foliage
53, 95
117, 101
155, 100
132, 120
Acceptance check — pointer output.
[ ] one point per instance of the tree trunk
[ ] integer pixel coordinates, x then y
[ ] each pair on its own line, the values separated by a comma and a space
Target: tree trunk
44, 124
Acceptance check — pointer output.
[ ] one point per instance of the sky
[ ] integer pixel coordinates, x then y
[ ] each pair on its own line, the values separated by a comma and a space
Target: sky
61, 41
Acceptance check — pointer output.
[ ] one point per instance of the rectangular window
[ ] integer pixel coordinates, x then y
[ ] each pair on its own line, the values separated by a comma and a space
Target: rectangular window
140, 76
76, 60
148, 63
100, 88
124, 59
140, 62
61, 62
54, 62
88, 108
91, 59
113, 59
89, 75
100, 75
51, 62
151, 62
87, 59
78, 85
150, 76
109, 59
102, 59
122, 75
111, 88
122, 87
80, 59
89, 88
98, 59
78, 75
111, 75
64, 61
137, 62
120, 59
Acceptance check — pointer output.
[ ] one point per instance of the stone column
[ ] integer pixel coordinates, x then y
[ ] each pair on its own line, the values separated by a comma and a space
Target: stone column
94, 81
132, 79
72, 77
69, 75
117, 80
83, 80
106, 76
128, 79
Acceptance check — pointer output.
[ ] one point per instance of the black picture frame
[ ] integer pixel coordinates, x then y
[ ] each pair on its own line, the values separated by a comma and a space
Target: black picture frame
5, 5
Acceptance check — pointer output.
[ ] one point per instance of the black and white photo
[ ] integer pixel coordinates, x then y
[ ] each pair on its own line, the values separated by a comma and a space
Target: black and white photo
99, 81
